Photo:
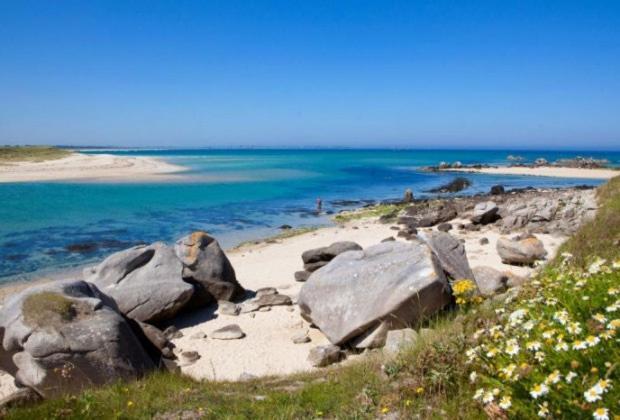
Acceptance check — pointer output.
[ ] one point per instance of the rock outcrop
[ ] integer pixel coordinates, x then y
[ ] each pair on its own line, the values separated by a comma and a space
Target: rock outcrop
392, 283
62, 337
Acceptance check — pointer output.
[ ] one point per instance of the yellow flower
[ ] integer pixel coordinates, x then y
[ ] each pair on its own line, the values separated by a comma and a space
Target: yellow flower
419, 390
129, 404
462, 287
385, 410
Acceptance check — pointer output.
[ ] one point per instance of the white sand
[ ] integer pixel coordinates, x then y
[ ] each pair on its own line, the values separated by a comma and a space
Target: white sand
550, 171
89, 168
267, 348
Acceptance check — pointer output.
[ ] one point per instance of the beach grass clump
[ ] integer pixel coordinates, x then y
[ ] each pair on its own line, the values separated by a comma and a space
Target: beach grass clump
13, 154
388, 211
601, 236
553, 352
41, 308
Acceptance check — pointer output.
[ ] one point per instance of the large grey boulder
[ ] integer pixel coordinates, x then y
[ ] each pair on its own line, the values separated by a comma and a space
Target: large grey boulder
206, 266
520, 251
394, 283
145, 282
61, 337
451, 254
485, 213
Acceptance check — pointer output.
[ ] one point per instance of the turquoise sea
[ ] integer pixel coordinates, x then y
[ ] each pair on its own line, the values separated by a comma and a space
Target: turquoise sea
236, 195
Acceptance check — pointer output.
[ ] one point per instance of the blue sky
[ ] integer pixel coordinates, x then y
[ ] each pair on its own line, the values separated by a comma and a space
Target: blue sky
490, 74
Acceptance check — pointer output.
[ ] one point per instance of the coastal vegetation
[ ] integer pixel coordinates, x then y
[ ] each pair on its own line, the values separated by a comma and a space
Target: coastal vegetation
11, 154
386, 211
550, 349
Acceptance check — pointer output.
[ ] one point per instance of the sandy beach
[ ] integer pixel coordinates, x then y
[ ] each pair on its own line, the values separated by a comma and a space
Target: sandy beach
268, 348
84, 167
557, 172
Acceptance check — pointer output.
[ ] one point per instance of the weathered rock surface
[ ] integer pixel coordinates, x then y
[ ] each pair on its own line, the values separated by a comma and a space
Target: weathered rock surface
324, 355
206, 266
61, 337
451, 254
427, 214
393, 282
145, 282
522, 251
485, 213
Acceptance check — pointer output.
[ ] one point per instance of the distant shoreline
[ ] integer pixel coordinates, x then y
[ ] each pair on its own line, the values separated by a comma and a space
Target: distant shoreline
86, 167
549, 171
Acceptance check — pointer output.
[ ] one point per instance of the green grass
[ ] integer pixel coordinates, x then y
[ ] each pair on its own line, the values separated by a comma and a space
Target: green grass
432, 378
378, 210
600, 237
11, 154
40, 308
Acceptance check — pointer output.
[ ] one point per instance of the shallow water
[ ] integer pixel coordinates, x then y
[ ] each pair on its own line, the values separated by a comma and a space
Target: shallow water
236, 195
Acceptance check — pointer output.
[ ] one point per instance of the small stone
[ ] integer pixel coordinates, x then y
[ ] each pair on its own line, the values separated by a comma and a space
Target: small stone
324, 355
249, 307
302, 276
444, 227
389, 239
301, 338
229, 332
484, 241
264, 309
272, 300
199, 335
190, 356
225, 307
398, 339
266, 291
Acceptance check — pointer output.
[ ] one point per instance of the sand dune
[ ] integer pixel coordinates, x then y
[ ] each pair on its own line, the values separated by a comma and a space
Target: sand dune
90, 168
557, 172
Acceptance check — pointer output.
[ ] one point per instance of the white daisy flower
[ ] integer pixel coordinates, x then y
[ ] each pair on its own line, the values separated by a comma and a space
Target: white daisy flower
601, 413
505, 403
539, 390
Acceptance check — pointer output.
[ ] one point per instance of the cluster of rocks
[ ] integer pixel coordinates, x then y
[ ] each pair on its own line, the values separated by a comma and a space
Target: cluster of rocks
456, 185
576, 162
559, 211
371, 298
61, 337
445, 166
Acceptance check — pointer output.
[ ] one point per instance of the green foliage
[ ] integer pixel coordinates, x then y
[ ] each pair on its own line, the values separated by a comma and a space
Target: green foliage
9, 154
601, 236
553, 352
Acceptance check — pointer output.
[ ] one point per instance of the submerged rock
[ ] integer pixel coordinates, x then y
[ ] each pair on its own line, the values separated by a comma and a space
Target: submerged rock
456, 185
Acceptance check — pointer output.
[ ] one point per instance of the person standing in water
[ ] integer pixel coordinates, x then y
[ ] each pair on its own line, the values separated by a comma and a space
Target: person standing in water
319, 205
